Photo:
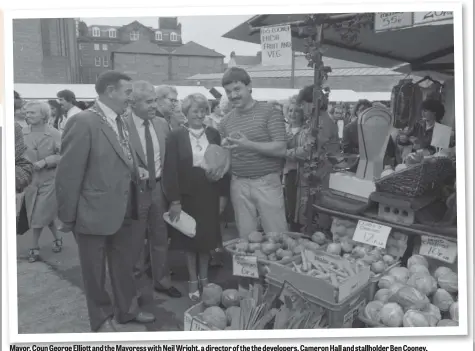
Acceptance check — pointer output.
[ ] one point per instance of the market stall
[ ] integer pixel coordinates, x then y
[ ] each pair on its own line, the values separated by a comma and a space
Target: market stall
390, 256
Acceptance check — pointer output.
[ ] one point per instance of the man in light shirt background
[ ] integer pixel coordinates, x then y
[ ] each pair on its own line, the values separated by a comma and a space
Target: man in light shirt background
67, 100
168, 106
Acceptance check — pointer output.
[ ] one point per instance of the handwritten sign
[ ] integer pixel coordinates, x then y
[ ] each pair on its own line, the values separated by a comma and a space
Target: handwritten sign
197, 325
441, 136
276, 45
245, 266
392, 20
432, 16
438, 248
372, 234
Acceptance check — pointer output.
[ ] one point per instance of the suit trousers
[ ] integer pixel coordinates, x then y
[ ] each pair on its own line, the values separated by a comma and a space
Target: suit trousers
151, 226
94, 252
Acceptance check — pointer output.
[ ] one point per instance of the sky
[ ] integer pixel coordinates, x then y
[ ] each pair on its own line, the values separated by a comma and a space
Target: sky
204, 30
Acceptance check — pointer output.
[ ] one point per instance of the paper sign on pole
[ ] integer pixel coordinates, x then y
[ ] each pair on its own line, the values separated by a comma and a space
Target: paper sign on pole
276, 45
391, 20
441, 136
432, 16
371, 233
245, 266
438, 248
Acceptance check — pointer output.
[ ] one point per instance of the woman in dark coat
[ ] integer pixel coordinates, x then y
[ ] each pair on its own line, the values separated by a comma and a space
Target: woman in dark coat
188, 188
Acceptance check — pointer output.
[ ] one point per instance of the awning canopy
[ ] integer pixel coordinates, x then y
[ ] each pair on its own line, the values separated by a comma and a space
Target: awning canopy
428, 47
87, 91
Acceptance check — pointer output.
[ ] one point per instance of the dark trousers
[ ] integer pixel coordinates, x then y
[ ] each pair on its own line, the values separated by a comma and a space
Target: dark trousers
94, 252
152, 227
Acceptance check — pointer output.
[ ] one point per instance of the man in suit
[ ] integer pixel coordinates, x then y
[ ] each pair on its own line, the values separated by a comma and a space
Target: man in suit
96, 189
167, 106
147, 137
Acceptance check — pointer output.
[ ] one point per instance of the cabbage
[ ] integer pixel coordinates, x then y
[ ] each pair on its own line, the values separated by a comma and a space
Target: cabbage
378, 267
442, 299
389, 260
423, 282
454, 311
256, 237
319, 238
212, 295
433, 310
441, 271
392, 315
447, 323
372, 311
410, 298
386, 282
334, 249
400, 273
418, 268
449, 282
395, 288
382, 295
268, 248
215, 316
230, 297
231, 313
414, 319
417, 259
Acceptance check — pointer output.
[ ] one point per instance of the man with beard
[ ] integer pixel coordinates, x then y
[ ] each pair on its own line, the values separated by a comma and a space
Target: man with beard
96, 188
255, 133
147, 136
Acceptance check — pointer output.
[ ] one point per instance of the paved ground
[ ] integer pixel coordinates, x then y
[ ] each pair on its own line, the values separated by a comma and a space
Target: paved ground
51, 297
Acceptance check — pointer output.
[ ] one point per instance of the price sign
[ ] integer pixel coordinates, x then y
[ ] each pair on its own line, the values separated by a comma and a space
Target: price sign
440, 249
372, 234
245, 266
432, 16
392, 20
197, 325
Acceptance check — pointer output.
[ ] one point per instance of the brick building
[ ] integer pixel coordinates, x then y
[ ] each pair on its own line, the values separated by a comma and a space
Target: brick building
145, 60
98, 42
45, 51
345, 75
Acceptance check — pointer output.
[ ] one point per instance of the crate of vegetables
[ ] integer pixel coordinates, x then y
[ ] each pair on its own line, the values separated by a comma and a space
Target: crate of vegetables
275, 248
316, 273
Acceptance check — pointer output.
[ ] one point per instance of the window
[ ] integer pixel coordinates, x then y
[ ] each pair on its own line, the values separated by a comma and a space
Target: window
104, 47
96, 32
105, 61
97, 61
134, 35
97, 47
173, 36
158, 36
112, 33
82, 46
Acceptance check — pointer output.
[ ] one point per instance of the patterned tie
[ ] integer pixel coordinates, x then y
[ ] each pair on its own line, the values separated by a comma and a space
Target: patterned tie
150, 155
123, 140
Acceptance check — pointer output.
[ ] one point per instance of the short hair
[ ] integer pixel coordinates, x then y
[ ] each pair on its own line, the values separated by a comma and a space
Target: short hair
139, 88
197, 98
109, 78
67, 95
234, 75
43, 107
434, 106
55, 104
362, 102
163, 90
214, 105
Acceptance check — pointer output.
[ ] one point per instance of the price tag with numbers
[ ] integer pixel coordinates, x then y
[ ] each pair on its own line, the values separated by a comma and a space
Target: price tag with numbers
245, 266
391, 20
197, 325
438, 248
372, 234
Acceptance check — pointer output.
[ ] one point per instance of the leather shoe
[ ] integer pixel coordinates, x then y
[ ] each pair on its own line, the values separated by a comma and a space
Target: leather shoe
107, 327
144, 317
171, 291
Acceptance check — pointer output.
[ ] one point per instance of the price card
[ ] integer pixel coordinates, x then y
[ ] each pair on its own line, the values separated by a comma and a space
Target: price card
197, 325
391, 20
438, 248
245, 266
372, 234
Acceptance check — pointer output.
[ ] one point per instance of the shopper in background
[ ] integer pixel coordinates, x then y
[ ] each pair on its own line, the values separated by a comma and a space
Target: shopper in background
188, 188
350, 142
56, 114
167, 103
67, 100
255, 135
23, 166
19, 113
215, 116
43, 149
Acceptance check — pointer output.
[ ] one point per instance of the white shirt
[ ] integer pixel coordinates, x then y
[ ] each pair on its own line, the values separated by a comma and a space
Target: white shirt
72, 111
198, 147
156, 145
111, 116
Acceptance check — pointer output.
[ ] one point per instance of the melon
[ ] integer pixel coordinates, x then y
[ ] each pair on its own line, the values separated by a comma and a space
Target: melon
215, 316
212, 295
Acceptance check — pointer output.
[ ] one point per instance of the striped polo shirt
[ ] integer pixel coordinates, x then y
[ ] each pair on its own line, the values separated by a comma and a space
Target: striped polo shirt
262, 123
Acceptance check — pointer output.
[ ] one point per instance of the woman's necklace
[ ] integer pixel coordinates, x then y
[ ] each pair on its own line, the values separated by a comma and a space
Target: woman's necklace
197, 137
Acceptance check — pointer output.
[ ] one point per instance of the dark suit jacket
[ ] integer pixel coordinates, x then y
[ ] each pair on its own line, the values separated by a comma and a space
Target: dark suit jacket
94, 183
179, 161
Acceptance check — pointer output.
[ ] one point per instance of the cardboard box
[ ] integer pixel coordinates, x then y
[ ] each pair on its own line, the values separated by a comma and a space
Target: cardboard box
191, 321
320, 288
